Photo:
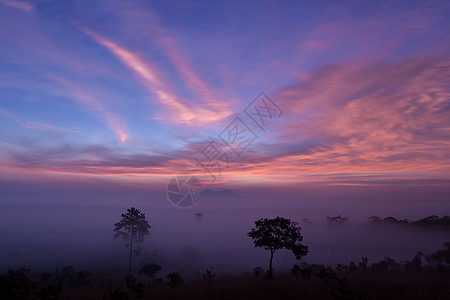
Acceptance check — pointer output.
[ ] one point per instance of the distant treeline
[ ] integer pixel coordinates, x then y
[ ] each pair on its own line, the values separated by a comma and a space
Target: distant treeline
431, 221
438, 260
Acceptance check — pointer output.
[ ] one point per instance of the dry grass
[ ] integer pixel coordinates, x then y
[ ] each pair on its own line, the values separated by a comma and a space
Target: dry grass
363, 285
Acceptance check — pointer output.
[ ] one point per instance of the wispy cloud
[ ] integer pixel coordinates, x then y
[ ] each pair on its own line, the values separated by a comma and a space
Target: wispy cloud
191, 78
177, 110
353, 123
362, 117
22, 5
32, 124
79, 159
96, 106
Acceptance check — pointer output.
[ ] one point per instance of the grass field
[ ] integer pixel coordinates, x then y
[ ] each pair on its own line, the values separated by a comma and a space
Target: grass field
425, 284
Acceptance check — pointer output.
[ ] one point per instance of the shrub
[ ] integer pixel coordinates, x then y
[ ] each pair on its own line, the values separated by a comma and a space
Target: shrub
175, 278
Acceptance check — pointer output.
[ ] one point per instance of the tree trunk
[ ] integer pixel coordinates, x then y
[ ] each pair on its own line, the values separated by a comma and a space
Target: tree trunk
270, 263
131, 251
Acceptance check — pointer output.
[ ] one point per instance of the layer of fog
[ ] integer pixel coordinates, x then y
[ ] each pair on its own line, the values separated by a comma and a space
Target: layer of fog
45, 229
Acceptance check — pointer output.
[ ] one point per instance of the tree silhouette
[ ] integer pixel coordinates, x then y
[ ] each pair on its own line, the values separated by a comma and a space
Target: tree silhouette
338, 220
15, 284
150, 270
175, 278
209, 275
133, 227
278, 233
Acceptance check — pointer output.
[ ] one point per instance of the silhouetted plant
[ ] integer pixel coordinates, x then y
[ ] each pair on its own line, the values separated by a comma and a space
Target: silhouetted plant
74, 279
415, 264
295, 270
387, 264
352, 267
258, 271
175, 278
316, 268
379, 267
441, 269
341, 267
209, 275
118, 294
150, 270
338, 284
45, 278
326, 274
431, 221
442, 255
133, 227
438, 258
305, 272
137, 287
15, 284
278, 233
338, 220
341, 291
154, 257
375, 219
49, 292
363, 263
393, 220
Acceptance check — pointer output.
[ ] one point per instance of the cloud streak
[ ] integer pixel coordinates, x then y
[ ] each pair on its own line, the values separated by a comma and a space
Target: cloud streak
370, 117
34, 125
94, 105
22, 5
177, 110
356, 123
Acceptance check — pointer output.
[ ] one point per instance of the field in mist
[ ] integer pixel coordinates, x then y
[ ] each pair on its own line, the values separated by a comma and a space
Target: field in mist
45, 228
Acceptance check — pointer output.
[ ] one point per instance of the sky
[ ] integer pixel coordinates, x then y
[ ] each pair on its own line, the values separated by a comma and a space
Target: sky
291, 108
133, 91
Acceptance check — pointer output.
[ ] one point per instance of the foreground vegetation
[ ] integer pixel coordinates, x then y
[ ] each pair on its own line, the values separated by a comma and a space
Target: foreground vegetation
357, 284
425, 276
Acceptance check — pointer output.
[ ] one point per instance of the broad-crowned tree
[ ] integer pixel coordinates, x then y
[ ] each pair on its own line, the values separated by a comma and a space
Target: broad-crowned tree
278, 233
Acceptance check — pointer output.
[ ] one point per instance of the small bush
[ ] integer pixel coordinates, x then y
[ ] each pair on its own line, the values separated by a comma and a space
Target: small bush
175, 278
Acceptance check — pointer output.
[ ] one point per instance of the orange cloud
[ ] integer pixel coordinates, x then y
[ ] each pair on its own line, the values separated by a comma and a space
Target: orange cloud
368, 118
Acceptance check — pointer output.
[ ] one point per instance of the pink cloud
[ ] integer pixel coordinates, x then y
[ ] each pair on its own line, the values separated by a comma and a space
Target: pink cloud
22, 5
95, 105
365, 118
177, 110
381, 34
32, 124
190, 76
356, 123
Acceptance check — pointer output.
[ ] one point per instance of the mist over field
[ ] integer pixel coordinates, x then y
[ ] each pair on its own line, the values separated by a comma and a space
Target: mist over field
46, 229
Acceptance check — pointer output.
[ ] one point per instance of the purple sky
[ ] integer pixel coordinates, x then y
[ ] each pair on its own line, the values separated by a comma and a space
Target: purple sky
133, 90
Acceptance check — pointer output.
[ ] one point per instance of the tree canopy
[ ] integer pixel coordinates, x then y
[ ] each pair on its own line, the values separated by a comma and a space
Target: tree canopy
133, 227
278, 233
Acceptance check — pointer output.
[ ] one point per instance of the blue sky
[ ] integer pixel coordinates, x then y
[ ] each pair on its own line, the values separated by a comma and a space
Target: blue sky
138, 88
